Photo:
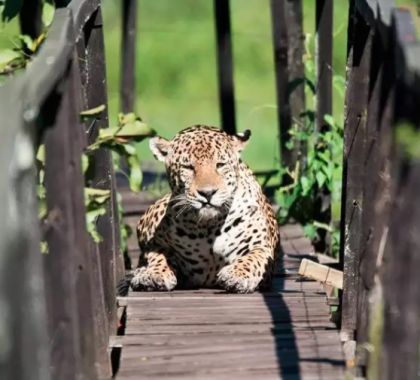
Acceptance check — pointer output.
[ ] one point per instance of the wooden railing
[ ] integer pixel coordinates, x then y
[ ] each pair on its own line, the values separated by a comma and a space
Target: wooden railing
57, 309
381, 213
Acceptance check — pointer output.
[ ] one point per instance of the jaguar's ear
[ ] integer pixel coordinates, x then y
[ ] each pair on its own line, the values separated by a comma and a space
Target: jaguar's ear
159, 147
240, 140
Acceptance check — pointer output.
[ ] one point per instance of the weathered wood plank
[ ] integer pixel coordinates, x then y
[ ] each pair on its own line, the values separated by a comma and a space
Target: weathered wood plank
128, 55
61, 266
207, 332
322, 273
100, 173
312, 336
360, 46
324, 54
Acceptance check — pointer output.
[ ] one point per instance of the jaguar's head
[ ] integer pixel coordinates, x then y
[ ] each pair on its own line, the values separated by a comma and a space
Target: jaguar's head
202, 165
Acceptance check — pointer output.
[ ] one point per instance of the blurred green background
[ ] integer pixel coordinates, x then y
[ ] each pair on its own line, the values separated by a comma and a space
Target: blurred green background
176, 67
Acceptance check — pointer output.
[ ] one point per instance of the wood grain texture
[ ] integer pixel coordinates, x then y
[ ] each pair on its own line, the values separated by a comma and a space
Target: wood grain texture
285, 333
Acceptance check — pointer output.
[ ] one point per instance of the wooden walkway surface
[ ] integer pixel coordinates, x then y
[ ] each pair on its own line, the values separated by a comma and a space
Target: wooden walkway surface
207, 334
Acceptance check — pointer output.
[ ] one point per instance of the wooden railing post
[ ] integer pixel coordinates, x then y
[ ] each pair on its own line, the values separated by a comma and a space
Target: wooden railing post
106, 260
288, 48
400, 350
23, 320
101, 174
225, 65
128, 55
67, 264
324, 53
360, 39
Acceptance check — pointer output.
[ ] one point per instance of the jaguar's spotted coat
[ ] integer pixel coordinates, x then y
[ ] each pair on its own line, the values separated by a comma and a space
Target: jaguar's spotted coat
215, 228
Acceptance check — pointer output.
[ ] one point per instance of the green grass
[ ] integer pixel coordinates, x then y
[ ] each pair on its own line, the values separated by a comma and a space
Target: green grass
176, 68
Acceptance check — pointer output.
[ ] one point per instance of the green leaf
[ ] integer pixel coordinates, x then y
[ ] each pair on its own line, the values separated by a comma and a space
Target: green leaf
99, 196
91, 218
125, 118
27, 41
7, 56
290, 144
42, 208
85, 163
93, 111
310, 231
136, 175
47, 13
40, 155
132, 130
43, 247
320, 178
329, 119
306, 184
37, 42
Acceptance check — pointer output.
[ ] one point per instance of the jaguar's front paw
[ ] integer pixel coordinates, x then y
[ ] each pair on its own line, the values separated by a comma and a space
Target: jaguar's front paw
235, 279
151, 279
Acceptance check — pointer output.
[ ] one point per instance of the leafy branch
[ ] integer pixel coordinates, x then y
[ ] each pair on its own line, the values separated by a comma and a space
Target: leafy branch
120, 139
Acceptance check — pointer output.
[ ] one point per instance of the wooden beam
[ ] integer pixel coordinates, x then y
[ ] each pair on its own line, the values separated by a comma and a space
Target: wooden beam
225, 65
321, 273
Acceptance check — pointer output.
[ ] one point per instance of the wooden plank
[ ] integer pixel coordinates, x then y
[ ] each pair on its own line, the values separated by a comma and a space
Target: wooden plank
249, 360
401, 331
225, 65
101, 174
23, 319
399, 257
128, 55
360, 46
85, 288
376, 189
322, 273
60, 263
195, 333
324, 53
140, 329
192, 338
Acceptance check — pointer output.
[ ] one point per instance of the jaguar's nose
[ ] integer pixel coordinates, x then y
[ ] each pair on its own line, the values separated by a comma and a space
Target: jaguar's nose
207, 192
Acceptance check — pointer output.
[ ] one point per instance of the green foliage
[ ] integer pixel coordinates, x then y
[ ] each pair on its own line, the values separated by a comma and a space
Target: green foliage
119, 139
95, 203
320, 168
23, 47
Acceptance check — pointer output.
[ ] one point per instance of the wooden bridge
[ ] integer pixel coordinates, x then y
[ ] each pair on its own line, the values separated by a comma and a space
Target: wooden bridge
60, 317
209, 334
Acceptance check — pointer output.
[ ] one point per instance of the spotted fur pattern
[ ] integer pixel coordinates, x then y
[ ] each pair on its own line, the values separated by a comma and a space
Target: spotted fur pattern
215, 228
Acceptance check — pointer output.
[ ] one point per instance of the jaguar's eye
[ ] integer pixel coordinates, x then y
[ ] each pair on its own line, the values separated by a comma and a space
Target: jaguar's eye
187, 166
220, 165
